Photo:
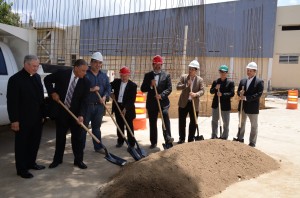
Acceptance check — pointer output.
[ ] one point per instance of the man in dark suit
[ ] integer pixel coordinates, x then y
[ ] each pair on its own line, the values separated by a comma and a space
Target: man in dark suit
71, 87
124, 92
254, 88
162, 81
25, 109
224, 88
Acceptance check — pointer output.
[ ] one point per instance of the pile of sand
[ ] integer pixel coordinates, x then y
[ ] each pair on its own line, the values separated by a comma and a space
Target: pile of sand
198, 169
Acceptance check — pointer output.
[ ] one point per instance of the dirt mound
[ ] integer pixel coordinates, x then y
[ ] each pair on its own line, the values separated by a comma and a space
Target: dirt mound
198, 169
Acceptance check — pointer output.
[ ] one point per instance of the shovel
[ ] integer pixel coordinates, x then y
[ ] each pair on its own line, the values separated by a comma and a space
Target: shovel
131, 150
240, 121
198, 137
167, 145
110, 157
220, 115
140, 151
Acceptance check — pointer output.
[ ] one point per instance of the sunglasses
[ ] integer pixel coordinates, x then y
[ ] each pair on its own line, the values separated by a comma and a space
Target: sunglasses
222, 71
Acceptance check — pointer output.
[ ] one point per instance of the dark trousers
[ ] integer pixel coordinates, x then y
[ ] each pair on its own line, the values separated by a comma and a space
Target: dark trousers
27, 142
121, 124
63, 124
153, 114
188, 109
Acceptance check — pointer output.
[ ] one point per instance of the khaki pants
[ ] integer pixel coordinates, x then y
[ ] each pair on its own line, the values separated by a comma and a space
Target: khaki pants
254, 125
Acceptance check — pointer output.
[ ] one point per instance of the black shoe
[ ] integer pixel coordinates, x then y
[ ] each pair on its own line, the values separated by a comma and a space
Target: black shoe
153, 146
80, 165
54, 164
37, 167
170, 140
238, 140
119, 145
252, 144
180, 142
25, 174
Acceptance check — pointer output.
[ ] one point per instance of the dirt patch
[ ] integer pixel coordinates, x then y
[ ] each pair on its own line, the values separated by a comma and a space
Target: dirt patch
198, 169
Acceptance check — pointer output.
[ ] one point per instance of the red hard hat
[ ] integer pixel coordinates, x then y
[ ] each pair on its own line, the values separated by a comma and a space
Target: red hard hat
157, 59
124, 70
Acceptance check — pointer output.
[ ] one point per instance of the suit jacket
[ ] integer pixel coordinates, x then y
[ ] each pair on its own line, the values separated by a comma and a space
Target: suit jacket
227, 90
25, 98
128, 97
253, 94
61, 80
198, 88
164, 88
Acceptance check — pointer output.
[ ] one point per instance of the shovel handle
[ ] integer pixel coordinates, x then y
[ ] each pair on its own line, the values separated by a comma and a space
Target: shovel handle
81, 124
160, 111
123, 117
219, 103
113, 119
241, 111
194, 108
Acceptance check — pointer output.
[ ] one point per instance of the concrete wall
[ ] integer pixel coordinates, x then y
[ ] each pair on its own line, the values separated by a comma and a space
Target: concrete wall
286, 76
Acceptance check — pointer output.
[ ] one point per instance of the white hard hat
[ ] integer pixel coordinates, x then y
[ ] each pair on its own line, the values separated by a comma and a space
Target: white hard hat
97, 56
252, 65
194, 64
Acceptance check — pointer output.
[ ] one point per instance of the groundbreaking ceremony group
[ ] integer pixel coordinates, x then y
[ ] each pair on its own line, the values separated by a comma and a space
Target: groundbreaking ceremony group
78, 96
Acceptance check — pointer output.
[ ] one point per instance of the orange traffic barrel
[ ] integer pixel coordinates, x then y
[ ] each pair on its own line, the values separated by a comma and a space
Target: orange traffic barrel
292, 99
139, 123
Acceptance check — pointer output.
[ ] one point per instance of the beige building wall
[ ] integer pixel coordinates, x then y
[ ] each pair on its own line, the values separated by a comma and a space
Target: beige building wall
286, 76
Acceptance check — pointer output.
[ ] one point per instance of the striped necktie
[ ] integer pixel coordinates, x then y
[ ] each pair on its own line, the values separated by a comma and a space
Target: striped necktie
70, 93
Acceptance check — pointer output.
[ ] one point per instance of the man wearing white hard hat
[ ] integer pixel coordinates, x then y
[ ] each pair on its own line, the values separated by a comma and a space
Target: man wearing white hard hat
192, 87
99, 82
250, 95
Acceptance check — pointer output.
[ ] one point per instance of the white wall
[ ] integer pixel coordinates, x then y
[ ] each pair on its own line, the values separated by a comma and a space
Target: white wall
286, 76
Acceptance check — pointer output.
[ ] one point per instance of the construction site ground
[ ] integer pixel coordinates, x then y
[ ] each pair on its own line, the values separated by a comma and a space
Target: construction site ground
278, 136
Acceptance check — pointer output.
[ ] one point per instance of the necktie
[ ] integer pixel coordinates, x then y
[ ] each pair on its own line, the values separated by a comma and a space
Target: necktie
70, 93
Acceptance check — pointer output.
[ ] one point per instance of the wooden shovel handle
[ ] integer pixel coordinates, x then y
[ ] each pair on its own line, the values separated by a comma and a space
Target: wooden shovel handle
113, 119
160, 111
124, 119
241, 111
219, 102
194, 108
81, 124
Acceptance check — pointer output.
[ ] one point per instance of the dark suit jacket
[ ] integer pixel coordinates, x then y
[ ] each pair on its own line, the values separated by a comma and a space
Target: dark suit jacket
227, 90
25, 97
128, 97
253, 94
61, 79
164, 88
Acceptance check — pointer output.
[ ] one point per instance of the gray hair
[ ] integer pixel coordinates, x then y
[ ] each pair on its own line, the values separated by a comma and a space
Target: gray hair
29, 58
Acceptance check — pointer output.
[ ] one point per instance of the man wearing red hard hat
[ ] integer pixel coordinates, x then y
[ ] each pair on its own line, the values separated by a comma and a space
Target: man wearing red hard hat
162, 81
124, 92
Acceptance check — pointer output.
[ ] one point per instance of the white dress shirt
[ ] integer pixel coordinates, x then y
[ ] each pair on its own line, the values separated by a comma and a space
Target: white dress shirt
121, 92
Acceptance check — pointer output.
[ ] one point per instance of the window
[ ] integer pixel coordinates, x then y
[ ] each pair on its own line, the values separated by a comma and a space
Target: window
286, 59
290, 28
3, 69
73, 59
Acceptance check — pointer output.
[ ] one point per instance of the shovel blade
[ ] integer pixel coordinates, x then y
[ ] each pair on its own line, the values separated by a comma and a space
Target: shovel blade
199, 138
167, 146
132, 151
141, 151
115, 159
